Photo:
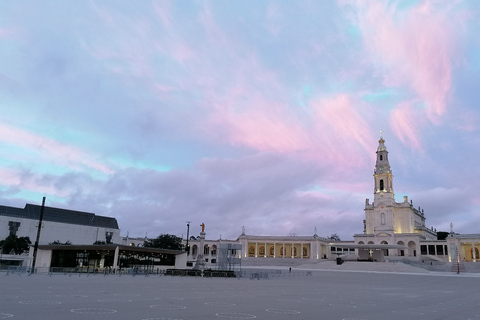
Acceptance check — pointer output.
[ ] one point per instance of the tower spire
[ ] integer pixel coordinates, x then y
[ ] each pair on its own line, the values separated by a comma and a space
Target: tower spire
383, 174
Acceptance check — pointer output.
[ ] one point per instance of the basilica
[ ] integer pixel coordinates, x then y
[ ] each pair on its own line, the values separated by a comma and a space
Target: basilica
393, 231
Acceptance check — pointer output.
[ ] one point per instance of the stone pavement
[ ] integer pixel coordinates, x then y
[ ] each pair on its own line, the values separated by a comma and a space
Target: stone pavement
301, 294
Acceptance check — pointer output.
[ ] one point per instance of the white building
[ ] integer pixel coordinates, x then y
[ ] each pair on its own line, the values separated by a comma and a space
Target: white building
60, 225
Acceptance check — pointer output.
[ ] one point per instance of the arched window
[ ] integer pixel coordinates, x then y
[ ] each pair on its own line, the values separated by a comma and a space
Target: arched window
305, 251
261, 250
272, 251
381, 184
382, 218
251, 250
381, 157
194, 250
214, 250
206, 249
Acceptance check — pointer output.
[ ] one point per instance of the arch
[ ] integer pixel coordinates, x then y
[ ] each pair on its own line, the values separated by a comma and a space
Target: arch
385, 251
305, 251
281, 251
476, 254
206, 249
371, 242
272, 251
214, 250
194, 250
261, 250
381, 157
401, 252
361, 242
381, 185
412, 249
251, 250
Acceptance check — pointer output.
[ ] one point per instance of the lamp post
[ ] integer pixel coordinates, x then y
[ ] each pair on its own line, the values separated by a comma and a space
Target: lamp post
35, 248
187, 248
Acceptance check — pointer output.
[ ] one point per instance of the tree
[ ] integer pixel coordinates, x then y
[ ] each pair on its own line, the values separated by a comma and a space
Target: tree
334, 237
14, 244
58, 243
165, 241
442, 235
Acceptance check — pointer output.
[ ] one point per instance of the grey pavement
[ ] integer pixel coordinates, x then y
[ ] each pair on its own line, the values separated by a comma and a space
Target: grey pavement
303, 294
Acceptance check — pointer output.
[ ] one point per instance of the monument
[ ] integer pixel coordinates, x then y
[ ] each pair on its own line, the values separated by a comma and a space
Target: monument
200, 262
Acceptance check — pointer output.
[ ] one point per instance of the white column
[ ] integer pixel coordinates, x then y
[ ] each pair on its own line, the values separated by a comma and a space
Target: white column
284, 251
265, 250
115, 258
474, 256
256, 249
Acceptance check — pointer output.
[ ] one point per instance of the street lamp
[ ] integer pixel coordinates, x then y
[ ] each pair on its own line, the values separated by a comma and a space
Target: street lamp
187, 248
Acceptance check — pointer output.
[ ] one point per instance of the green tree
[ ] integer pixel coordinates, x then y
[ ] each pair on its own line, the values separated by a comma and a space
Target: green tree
334, 237
58, 243
442, 235
165, 241
14, 244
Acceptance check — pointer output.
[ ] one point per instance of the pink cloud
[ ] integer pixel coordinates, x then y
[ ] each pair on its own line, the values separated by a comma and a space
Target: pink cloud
31, 182
263, 130
414, 47
50, 149
340, 129
406, 122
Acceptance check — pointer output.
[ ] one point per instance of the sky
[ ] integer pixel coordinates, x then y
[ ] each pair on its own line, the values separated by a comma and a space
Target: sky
257, 114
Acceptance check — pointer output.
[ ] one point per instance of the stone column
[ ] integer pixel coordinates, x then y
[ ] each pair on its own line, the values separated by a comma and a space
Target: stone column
115, 259
474, 255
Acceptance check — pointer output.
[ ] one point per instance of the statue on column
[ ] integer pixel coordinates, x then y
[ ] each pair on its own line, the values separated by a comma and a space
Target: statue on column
203, 227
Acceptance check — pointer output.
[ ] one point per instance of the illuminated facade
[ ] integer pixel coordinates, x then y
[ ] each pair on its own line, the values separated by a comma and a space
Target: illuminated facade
390, 222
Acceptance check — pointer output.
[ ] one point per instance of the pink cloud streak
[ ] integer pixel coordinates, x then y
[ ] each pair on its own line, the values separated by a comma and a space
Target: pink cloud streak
51, 149
415, 47
405, 122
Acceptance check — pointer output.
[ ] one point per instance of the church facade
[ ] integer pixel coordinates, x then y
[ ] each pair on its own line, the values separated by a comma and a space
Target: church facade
390, 222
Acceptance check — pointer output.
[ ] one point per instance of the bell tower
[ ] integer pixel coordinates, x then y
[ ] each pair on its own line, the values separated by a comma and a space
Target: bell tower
383, 191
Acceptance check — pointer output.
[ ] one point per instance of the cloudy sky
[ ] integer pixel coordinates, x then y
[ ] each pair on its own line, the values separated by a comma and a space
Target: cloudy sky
262, 114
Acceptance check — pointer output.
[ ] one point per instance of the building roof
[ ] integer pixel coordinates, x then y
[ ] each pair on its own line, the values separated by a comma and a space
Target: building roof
110, 247
32, 211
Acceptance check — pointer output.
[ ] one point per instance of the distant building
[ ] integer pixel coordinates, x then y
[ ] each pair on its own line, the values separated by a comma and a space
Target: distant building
60, 225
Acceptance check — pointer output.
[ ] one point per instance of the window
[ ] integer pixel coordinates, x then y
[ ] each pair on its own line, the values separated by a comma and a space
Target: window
13, 227
262, 250
381, 157
423, 249
206, 249
439, 250
381, 185
382, 218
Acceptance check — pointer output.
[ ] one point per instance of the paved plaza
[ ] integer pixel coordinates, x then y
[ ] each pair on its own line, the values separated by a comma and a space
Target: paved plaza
301, 294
